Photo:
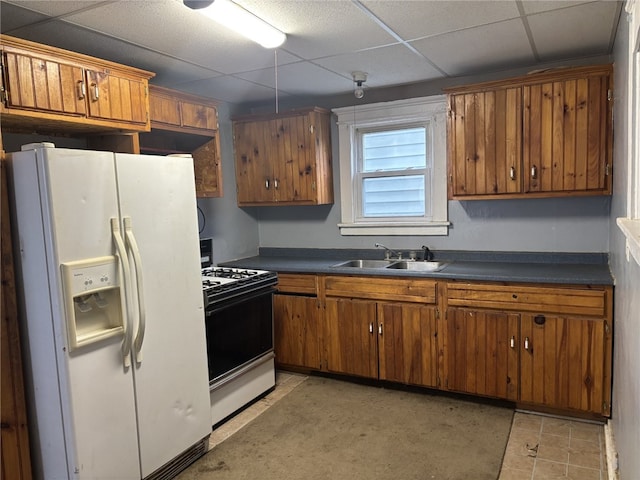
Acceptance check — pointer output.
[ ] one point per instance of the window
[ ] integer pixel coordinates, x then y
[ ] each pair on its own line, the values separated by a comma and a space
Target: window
393, 168
630, 225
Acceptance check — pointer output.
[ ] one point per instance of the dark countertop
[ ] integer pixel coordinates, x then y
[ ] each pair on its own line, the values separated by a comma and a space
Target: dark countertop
577, 269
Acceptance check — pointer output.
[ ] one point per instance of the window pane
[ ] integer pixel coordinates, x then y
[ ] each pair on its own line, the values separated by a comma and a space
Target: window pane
400, 196
394, 149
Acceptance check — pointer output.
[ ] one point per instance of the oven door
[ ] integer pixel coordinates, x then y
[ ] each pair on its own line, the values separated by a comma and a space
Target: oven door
239, 331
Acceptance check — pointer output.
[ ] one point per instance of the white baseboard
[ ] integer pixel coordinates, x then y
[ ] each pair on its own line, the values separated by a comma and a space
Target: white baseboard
611, 453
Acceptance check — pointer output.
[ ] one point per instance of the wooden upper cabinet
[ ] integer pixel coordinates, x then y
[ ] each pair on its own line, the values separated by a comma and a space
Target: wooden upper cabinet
51, 89
172, 110
284, 159
185, 123
484, 142
540, 135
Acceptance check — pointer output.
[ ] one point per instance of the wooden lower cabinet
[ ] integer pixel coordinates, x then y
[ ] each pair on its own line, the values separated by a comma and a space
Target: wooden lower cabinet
351, 337
388, 341
407, 343
563, 361
481, 353
296, 331
549, 361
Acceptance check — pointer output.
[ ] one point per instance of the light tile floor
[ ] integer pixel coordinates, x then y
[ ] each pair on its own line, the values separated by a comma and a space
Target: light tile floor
539, 447
542, 447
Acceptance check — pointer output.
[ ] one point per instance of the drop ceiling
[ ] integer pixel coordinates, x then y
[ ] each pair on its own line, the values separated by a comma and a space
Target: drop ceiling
395, 42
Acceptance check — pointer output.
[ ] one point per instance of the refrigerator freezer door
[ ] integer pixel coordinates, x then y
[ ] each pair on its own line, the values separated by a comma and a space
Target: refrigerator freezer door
171, 376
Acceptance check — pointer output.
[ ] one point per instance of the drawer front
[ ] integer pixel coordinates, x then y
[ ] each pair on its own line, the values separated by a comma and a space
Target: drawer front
391, 289
297, 283
576, 301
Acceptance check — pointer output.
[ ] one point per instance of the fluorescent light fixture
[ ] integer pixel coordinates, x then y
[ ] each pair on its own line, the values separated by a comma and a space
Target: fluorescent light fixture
236, 18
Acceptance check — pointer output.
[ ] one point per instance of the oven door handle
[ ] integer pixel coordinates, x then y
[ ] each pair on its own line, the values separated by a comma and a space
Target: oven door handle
137, 262
243, 297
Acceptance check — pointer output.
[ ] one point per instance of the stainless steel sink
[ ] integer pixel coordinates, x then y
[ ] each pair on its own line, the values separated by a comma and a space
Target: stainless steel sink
365, 263
418, 265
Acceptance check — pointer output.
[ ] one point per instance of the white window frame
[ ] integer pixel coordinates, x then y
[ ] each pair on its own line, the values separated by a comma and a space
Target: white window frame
427, 111
630, 225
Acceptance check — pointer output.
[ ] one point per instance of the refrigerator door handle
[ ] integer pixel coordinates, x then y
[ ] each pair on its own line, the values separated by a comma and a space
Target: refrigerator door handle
126, 273
137, 261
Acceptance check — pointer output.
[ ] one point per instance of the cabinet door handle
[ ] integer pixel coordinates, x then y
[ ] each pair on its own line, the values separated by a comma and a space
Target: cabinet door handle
275, 183
266, 184
82, 90
371, 327
534, 172
380, 329
96, 91
526, 343
512, 343
512, 173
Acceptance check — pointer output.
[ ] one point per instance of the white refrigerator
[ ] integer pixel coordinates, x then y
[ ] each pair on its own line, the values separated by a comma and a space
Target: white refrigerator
111, 312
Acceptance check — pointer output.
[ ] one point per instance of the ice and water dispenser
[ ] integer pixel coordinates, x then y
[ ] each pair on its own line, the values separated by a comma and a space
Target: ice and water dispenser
92, 300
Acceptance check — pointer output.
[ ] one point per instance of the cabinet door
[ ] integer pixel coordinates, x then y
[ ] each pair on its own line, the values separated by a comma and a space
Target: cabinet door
482, 352
195, 115
208, 169
566, 137
563, 362
351, 337
407, 343
40, 84
117, 98
484, 135
253, 170
296, 331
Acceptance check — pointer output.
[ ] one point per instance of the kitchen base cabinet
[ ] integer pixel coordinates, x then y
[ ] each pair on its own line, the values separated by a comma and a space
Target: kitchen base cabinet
407, 344
544, 347
382, 328
482, 358
297, 335
351, 337
562, 363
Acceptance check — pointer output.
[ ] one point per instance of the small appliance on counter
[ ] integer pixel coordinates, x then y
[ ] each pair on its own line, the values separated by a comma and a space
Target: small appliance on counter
239, 324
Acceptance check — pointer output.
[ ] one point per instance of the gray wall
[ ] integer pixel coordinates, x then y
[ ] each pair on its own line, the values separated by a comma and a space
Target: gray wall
626, 359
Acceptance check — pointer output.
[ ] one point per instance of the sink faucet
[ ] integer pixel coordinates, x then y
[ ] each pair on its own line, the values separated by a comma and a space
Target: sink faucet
427, 254
388, 252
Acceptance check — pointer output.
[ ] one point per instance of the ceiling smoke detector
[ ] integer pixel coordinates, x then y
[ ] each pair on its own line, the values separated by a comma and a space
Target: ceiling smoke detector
359, 78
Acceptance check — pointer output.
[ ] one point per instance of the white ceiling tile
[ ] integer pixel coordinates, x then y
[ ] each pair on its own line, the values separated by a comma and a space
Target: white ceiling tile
303, 78
229, 89
392, 65
56, 9
589, 34
538, 6
479, 49
13, 18
424, 18
317, 28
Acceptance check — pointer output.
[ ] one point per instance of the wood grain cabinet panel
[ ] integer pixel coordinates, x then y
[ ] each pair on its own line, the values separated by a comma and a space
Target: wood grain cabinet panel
542, 346
482, 352
50, 89
296, 331
384, 328
539, 135
185, 123
563, 363
284, 159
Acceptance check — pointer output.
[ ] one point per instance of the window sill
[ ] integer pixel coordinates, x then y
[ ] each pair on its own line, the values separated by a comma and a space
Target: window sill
433, 228
631, 229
